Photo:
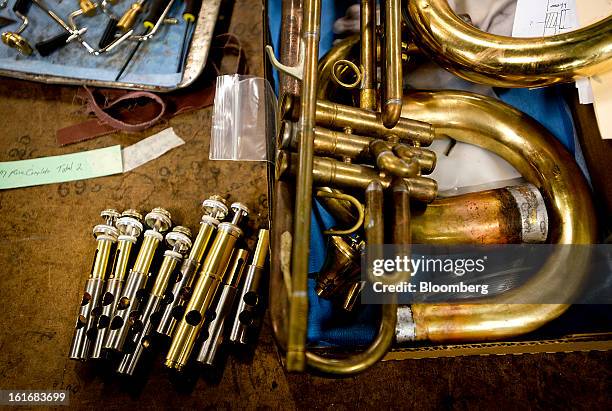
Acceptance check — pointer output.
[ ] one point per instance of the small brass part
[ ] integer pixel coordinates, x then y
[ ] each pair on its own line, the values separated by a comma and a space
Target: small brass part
338, 116
342, 265
106, 235
88, 7
127, 21
179, 241
17, 42
130, 227
179, 292
387, 161
212, 274
159, 220
350, 199
341, 68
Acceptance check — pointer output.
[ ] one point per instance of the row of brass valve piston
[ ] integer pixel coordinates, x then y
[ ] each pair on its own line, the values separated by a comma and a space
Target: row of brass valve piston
122, 317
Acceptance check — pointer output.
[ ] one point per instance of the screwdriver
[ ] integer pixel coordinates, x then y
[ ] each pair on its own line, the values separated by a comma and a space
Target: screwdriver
156, 9
192, 7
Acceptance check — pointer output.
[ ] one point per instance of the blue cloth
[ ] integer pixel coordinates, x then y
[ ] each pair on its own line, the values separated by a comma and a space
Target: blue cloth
545, 105
154, 63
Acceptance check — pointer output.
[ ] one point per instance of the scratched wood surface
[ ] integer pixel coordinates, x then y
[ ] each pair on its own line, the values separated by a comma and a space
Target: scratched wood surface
46, 248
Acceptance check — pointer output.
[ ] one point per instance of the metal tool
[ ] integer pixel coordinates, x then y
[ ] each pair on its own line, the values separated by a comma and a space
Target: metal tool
223, 308
341, 265
48, 46
205, 290
108, 36
106, 235
159, 221
130, 227
192, 8
14, 39
179, 292
180, 242
158, 10
249, 304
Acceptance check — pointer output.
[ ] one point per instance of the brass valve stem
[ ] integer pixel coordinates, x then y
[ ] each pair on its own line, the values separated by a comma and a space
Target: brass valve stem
180, 241
213, 271
106, 236
179, 292
88, 7
128, 19
160, 221
130, 227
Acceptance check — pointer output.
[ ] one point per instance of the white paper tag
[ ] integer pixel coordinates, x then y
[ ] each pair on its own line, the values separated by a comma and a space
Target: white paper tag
150, 148
541, 18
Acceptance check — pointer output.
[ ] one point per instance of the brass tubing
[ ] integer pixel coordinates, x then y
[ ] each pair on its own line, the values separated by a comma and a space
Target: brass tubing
367, 93
386, 161
392, 87
291, 13
386, 332
530, 148
328, 172
334, 115
486, 217
298, 297
508, 61
342, 145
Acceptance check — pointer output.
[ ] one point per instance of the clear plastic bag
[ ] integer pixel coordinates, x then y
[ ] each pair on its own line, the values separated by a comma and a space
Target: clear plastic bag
244, 119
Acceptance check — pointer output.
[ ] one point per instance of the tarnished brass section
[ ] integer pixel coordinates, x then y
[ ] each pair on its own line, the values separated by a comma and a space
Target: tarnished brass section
381, 344
298, 311
130, 227
391, 106
179, 292
179, 240
105, 235
367, 93
387, 161
342, 265
18, 42
328, 172
88, 7
343, 211
127, 308
508, 61
531, 149
486, 217
343, 145
129, 18
338, 116
211, 276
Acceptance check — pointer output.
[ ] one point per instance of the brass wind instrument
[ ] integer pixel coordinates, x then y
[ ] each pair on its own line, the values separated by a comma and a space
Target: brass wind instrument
337, 144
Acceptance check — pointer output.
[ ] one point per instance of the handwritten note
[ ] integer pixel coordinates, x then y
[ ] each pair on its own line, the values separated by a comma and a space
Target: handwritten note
57, 169
541, 18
